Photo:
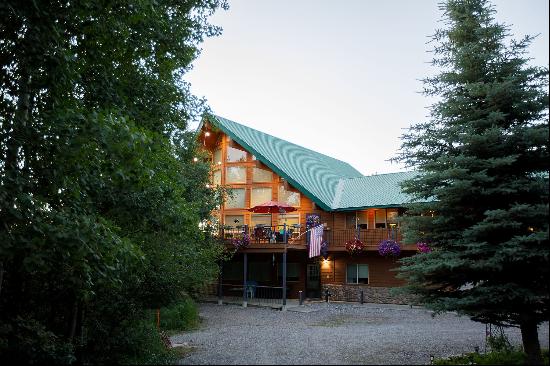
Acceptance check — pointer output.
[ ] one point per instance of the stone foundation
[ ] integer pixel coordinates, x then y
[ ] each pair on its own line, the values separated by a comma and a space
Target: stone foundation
378, 295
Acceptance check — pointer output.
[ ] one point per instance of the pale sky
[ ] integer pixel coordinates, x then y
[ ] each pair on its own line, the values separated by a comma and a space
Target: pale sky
339, 77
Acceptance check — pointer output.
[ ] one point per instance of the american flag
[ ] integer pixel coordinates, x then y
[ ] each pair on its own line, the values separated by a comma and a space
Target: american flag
315, 239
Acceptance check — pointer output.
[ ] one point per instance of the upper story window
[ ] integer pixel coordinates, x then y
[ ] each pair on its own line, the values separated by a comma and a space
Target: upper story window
289, 197
261, 175
380, 219
391, 217
235, 155
235, 174
351, 220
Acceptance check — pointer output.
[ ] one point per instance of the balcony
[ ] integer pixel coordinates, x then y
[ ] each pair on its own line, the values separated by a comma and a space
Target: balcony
274, 237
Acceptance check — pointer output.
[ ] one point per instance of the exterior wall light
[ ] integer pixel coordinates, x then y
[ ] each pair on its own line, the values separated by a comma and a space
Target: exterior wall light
207, 134
195, 159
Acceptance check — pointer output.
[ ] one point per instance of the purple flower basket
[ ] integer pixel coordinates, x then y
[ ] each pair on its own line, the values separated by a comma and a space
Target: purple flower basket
389, 248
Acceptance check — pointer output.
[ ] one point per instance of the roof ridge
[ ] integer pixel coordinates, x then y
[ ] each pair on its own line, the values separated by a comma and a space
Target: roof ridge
338, 193
290, 142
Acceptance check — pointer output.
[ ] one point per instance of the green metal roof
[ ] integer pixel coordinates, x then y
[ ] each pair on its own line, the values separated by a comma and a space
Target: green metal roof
380, 190
332, 184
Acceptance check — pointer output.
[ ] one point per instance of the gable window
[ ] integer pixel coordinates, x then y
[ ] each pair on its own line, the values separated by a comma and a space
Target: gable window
235, 174
259, 196
237, 199
380, 219
289, 197
235, 155
217, 157
261, 175
357, 273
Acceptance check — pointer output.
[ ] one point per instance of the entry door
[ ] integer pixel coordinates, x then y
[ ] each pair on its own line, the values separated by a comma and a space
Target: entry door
313, 281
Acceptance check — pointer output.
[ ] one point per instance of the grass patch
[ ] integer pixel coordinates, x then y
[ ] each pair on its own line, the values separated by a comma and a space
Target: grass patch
490, 358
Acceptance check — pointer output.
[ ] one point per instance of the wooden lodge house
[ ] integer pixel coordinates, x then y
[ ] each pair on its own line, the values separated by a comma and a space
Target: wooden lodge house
257, 167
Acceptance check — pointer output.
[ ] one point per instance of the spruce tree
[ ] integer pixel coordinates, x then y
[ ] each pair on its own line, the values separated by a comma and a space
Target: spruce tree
482, 159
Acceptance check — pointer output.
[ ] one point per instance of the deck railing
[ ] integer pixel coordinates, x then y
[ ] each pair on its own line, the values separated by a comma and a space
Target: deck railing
296, 235
233, 293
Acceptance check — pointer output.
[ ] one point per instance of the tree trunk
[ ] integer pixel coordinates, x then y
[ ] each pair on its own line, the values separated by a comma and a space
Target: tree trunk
531, 345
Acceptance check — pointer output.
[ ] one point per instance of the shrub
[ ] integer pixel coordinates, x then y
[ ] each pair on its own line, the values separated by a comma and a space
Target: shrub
183, 315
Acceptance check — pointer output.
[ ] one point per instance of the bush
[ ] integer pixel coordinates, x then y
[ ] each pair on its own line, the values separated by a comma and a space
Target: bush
181, 316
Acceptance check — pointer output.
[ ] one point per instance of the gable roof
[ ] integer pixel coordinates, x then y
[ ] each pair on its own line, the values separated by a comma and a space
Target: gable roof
330, 183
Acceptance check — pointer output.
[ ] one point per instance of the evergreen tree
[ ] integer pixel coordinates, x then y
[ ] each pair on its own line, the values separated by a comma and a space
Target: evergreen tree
483, 167
100, 197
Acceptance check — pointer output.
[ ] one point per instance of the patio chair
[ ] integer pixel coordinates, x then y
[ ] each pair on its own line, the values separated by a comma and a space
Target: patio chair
251, 289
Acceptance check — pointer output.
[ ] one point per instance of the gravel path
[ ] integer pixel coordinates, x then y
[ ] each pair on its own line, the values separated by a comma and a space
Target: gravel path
333, 333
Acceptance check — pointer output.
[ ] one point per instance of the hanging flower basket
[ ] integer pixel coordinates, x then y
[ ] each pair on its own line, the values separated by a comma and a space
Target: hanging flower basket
354, 246
241, 242
423, 247
389, 248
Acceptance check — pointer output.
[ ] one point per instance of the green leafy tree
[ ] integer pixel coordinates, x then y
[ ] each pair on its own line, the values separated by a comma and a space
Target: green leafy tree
100, 198
483, 167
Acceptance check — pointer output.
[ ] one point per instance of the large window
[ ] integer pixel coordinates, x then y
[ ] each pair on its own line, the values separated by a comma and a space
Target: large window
235, 174
234, 220
235, 155
289, 197
217, 177
380, 218
261, 175
259, 196
237, 199
260, 219
357, 273
289, 220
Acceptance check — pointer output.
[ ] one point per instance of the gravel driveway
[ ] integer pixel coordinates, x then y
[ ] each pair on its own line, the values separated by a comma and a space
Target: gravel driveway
333, 333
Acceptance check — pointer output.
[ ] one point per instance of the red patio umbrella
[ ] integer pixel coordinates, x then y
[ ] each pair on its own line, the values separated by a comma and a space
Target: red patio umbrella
272, 207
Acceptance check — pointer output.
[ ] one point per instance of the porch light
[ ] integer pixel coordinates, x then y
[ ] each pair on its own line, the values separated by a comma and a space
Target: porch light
195, 159
219, 163
207, 134
207, 185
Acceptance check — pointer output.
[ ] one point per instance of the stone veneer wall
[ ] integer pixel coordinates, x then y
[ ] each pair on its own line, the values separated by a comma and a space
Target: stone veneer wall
378, 295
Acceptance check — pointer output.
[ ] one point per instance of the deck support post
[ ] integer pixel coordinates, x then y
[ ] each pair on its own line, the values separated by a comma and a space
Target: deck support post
284, 279
245, 274
220, 287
